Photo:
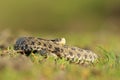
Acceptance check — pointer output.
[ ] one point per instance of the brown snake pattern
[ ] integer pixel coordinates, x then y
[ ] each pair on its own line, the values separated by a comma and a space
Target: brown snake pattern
55, 47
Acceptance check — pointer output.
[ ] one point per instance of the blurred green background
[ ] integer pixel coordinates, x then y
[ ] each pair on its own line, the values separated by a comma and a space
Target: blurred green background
51, 16
88, 24
84, 23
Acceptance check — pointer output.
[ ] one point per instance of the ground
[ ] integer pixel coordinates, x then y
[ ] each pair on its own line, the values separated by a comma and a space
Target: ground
15, 66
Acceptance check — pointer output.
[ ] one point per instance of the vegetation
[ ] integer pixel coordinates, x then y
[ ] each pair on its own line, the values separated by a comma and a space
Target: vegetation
35, 67
88, 24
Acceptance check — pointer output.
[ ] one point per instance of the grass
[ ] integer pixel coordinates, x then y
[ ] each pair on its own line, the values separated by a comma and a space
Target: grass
14, 66
90, 24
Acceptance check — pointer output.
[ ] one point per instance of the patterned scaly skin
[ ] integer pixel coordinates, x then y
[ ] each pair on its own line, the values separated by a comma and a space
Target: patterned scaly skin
55, 47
